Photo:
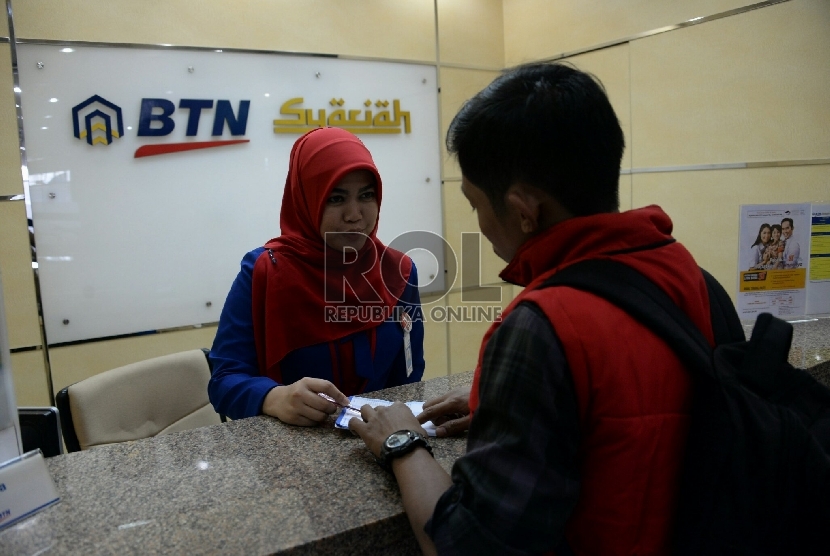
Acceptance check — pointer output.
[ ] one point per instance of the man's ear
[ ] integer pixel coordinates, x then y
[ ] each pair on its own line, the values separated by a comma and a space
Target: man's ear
527, 204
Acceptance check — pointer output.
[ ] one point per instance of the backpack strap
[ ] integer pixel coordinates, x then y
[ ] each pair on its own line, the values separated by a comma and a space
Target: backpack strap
758, 362
767, 351
631, 291
726, 324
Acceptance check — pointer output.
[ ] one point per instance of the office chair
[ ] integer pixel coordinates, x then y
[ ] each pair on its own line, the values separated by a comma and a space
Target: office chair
157, 396
40, 428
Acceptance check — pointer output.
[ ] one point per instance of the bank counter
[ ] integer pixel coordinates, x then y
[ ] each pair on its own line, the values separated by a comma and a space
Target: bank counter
252, 486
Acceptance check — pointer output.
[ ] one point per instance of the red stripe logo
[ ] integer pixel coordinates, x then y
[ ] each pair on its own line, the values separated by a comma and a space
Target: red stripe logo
153, 150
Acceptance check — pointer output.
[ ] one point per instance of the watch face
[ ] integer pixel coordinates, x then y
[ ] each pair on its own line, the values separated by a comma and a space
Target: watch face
397, 439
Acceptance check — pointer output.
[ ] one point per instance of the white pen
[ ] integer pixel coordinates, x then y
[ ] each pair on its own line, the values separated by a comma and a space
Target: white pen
329, 398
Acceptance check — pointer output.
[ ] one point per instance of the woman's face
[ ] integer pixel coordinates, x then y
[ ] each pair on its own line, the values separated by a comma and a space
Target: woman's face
765, 235
776, 234
351, 211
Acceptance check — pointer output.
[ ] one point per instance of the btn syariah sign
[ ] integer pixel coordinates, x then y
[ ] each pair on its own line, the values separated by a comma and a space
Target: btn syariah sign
300, 120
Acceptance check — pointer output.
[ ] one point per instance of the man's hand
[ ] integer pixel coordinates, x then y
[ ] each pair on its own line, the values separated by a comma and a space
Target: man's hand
300, 404
378, 423
420, 477
449, 413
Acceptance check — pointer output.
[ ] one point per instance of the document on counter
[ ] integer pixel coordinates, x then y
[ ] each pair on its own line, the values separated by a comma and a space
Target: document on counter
346, 414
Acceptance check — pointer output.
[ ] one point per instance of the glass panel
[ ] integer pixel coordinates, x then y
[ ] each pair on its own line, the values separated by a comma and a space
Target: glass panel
129, 243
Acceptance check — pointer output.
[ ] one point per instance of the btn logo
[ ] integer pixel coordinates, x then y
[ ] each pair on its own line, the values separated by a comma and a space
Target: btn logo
155, 120
98, 116
97, 120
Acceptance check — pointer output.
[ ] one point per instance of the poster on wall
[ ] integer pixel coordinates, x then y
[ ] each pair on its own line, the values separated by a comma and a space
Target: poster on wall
818, 279
774, 252
151, 172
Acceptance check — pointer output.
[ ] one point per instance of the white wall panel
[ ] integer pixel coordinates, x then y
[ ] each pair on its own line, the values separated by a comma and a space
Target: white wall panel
129, 244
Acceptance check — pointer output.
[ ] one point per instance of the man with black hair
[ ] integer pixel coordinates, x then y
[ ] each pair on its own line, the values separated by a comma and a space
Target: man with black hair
791, 258
578, 415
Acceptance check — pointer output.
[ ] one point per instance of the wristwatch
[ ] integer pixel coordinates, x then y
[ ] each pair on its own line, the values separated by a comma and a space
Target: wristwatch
398, 444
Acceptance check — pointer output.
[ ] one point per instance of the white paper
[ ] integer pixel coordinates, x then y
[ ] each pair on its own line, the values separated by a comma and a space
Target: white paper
818, 277
346, 414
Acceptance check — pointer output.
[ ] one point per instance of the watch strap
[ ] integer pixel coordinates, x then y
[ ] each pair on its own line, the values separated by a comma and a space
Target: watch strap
415, 440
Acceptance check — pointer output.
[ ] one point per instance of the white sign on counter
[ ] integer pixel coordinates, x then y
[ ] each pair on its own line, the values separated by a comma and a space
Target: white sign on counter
25, 488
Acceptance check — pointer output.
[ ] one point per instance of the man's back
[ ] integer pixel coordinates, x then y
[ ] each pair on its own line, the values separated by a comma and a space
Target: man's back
633, 394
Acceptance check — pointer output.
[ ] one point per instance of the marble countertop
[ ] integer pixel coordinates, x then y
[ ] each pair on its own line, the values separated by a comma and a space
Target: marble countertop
252, 486
811, 342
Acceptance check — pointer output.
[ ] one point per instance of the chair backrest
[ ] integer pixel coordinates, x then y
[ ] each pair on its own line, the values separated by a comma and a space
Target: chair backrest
40, 428
156, 396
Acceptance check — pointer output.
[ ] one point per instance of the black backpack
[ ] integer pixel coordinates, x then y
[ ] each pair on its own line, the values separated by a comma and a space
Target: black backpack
756, 476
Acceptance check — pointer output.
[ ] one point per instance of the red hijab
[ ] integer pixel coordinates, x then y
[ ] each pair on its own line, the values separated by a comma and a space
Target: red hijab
297, 270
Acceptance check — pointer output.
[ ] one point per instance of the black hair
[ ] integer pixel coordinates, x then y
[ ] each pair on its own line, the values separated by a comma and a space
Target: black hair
548, 125
790, 220
761, 229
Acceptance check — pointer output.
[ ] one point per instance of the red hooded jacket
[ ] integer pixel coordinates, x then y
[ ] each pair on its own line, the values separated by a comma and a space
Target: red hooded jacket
633, 393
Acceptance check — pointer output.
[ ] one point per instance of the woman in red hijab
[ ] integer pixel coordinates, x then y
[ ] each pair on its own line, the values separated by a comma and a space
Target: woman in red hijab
326, 307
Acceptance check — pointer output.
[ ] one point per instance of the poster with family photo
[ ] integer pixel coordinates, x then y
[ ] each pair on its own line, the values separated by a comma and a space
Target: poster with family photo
774, 252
